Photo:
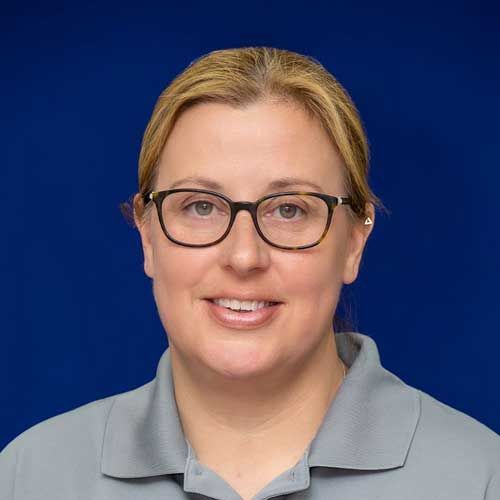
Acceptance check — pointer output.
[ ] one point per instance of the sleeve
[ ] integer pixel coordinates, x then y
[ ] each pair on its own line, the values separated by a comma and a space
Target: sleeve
8, 469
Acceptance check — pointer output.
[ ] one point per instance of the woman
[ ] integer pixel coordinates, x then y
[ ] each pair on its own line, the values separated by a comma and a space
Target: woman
253, 211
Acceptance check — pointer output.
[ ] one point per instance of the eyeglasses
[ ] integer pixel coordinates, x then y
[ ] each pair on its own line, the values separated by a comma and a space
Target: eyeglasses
291, 220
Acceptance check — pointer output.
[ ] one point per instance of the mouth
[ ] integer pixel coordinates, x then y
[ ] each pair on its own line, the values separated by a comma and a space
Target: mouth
243, 315
243, 306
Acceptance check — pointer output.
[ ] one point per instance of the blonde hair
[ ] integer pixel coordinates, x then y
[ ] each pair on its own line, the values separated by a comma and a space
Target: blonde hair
242, 76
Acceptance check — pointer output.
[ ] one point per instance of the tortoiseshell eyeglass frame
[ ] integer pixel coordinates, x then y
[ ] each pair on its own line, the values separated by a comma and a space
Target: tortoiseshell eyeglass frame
331, 201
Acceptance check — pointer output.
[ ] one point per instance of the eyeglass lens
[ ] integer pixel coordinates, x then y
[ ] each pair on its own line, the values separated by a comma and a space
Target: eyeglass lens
285, 220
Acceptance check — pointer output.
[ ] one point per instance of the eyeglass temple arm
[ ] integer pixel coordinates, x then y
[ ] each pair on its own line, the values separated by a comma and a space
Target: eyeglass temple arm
146, 198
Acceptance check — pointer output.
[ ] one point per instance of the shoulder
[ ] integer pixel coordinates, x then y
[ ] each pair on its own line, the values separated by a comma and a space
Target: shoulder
443, 422
49, 445
64, 445
455, 440
67, 425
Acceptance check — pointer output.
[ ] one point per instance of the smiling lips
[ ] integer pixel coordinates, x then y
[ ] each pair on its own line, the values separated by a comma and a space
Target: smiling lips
243, 315
245, 305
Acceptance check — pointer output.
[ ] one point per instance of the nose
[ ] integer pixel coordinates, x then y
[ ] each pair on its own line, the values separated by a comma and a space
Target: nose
243, 249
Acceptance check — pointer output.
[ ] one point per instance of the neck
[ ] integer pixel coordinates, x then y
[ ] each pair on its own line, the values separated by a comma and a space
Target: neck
225, 417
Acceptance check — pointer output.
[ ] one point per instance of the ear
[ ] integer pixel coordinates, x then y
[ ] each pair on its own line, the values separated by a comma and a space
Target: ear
359, 233
144, 227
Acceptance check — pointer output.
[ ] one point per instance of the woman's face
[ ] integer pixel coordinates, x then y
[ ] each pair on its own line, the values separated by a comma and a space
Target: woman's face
244, 150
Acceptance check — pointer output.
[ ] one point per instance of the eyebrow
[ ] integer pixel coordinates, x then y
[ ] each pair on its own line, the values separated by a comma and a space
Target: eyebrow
280, 183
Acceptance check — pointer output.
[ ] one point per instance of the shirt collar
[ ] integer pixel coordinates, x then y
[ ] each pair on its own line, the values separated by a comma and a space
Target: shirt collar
369, 425
143, 436
372, 419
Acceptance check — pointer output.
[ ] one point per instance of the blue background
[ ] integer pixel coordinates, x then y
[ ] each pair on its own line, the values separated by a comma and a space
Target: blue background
78, 319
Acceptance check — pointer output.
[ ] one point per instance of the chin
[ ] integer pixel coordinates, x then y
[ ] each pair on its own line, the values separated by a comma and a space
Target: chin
235, 360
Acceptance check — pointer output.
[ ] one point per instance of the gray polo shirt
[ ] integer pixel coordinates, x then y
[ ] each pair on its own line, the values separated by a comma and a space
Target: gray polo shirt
380, 439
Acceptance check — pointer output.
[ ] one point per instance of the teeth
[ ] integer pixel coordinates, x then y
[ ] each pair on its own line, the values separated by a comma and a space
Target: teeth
246, 305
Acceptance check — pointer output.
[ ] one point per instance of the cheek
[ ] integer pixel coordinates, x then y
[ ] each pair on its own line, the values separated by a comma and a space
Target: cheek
313, 276
178, 274
316, 286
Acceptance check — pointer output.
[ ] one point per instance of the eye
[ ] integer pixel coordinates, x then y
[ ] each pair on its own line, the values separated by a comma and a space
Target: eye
289, 210
202, 207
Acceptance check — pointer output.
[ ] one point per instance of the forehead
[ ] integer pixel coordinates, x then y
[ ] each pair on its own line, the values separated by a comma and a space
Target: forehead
246, 149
